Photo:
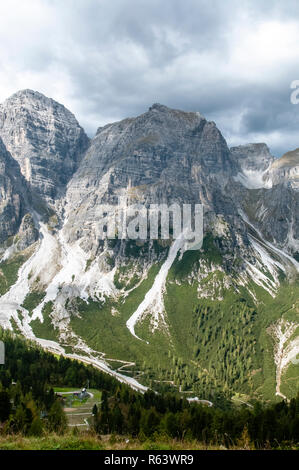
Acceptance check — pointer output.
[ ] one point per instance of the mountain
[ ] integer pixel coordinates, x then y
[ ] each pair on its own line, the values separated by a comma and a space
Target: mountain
285, 170
221, 320
44, 138
272, 205
161, 156
254, 161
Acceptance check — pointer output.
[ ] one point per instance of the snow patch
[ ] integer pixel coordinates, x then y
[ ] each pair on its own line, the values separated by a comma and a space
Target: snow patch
153, 302
285, 349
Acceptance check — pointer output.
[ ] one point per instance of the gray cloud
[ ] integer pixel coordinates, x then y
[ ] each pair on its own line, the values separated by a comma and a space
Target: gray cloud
106, 60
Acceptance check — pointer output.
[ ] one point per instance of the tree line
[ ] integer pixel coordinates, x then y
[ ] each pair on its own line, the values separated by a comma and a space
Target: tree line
153, 415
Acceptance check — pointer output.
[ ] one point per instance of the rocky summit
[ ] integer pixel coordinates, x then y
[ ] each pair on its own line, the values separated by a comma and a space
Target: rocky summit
218, 323
44, 138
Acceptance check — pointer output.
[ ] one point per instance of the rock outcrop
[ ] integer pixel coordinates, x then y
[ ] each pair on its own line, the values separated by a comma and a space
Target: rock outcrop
27, 234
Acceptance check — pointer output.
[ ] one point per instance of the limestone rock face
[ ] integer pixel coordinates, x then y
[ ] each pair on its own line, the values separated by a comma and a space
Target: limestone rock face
272, 201
28, 233
12, 194
285, 170
162, 156
254, 160
254, 157
45, 139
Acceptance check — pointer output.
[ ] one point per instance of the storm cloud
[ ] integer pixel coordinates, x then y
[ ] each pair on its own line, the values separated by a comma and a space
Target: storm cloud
106, 60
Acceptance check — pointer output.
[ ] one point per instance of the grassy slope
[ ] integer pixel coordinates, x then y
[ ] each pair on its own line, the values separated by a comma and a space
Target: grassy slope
46, 329
86, 441
105, 332
9, 270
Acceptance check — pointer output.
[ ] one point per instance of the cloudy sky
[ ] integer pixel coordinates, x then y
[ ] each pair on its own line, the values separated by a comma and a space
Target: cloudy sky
108, 59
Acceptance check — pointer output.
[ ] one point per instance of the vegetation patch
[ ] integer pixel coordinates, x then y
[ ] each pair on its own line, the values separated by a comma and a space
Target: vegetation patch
9, 270
46, 328
32, 300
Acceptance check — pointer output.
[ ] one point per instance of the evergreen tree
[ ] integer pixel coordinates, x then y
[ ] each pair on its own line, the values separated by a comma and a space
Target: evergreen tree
56, 419
117, 420
5, 406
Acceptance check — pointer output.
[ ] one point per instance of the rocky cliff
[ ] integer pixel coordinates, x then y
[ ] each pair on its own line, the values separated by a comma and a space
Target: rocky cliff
285, 170
13, 194
44, 138
253, 160
164, 155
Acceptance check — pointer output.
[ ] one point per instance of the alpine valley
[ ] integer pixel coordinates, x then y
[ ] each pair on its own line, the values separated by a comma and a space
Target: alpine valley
219, 322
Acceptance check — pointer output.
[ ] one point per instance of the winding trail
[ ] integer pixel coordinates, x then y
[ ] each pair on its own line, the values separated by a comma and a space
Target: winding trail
55, 348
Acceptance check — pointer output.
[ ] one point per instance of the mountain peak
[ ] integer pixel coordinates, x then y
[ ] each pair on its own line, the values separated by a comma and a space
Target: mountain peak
158, 107
28, 92
253, 156
29, 98
252, 147
45, 139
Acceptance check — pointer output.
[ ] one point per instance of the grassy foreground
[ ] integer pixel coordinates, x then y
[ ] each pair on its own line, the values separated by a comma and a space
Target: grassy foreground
88, 441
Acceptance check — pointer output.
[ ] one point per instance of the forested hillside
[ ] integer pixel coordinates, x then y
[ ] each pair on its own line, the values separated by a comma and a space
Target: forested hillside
29, 406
